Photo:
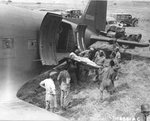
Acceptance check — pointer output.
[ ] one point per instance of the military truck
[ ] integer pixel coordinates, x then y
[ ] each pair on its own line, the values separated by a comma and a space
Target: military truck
126, 19
72, 13
112, 24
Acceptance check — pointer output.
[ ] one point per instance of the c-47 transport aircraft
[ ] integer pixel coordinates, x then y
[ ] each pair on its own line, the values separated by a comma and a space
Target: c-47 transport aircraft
29, 40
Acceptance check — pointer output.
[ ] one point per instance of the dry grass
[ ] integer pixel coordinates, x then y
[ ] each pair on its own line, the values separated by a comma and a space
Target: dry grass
132, 89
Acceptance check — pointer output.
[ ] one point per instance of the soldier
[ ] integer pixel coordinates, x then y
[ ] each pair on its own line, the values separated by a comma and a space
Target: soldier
50, 97
100, 58
118, 56
107, 79
86, 53
145, 112
64, 79
72, 69
85, 70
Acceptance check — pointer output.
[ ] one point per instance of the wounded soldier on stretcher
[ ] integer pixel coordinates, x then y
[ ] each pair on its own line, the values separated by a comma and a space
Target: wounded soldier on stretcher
83, 60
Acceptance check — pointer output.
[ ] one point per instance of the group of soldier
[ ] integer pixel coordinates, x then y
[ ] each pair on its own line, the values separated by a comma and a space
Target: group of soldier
75, 72
106, 74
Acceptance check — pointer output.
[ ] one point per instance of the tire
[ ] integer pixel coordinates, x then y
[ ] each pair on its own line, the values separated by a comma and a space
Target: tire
135, 23
138, 37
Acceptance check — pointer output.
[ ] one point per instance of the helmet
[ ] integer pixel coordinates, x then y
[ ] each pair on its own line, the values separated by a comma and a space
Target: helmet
145, 108
112, 63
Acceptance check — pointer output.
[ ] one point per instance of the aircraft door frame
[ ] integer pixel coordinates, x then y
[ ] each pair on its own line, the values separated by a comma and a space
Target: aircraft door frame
80, 36
48, 38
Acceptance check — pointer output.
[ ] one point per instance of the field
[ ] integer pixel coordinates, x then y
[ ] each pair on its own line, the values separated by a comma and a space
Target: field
132, 87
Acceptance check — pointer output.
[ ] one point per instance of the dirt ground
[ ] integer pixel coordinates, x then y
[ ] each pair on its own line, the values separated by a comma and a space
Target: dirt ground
132, 87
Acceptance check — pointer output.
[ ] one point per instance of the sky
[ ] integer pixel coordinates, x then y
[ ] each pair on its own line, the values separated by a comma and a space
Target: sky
64, 1
49, 1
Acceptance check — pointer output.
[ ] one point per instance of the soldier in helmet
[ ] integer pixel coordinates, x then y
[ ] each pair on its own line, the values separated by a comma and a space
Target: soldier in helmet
145, 112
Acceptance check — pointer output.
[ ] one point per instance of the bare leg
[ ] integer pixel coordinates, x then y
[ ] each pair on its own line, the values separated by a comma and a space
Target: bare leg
101, 95
47, 105
55, 101
52, 110
62, 99
66, 92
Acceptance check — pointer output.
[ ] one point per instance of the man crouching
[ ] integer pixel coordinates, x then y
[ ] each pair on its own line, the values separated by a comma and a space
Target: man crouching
50, 97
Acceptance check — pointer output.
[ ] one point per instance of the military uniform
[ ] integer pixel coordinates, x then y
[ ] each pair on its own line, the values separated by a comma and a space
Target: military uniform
99, 60
108, 77
85, 53
145, 111
64, 79
72, 69
83, 69
50, 97
118, 57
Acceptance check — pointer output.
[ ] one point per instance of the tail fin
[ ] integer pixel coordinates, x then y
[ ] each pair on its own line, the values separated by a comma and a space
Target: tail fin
95, 15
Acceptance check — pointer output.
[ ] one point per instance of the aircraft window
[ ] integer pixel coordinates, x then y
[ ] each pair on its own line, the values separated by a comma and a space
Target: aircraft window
32, 44
8, 43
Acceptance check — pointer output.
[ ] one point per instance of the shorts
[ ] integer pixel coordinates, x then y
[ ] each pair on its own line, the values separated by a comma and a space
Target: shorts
107, 85
50, 100
65, 98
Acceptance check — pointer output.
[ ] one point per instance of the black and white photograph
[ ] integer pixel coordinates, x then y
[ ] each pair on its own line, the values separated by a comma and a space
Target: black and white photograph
75, 60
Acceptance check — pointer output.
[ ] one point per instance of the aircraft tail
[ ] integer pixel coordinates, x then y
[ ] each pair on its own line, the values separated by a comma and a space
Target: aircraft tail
95, 15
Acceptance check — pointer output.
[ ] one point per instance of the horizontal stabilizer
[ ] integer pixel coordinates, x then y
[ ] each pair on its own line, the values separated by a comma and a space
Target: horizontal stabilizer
95, 38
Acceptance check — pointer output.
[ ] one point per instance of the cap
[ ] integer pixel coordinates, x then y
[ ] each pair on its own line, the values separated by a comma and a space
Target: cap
52, 73
145, 108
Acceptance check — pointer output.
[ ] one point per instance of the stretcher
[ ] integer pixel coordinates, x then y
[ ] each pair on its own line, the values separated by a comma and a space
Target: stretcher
83, 60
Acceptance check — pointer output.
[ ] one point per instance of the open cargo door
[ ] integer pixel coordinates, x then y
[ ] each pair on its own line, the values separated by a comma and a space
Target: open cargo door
80, 36
48, 37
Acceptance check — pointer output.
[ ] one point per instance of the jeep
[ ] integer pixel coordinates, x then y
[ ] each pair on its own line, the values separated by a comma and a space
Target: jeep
126, 19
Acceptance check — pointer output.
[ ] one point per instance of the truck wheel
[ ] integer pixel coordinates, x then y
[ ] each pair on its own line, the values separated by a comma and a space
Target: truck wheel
135, 23
138, 37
